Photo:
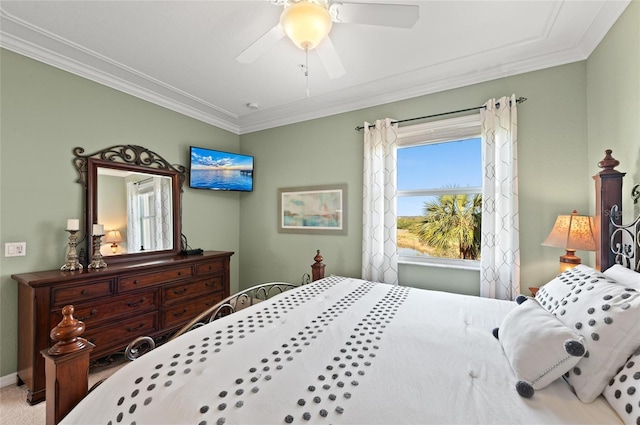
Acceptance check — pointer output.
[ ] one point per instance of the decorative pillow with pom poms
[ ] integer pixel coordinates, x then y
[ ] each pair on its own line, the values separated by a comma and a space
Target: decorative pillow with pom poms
623, 390
552, 293
539, 347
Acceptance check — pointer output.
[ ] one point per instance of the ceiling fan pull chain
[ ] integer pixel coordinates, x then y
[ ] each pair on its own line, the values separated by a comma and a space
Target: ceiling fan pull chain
306, 68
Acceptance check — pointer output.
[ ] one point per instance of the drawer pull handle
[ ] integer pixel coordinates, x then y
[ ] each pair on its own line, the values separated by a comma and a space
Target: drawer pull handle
179, 273
210, 284
136, 304
84, 292
179, 314
91, 313
135, 281
179, 291
140, 326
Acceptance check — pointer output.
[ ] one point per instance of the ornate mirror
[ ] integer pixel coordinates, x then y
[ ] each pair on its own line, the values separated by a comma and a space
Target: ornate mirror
134, 194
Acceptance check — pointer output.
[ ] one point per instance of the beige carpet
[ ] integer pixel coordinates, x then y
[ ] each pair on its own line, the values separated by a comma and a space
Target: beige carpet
14, 409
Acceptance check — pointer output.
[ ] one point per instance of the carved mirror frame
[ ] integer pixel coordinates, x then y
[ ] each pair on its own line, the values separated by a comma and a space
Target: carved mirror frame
135, 159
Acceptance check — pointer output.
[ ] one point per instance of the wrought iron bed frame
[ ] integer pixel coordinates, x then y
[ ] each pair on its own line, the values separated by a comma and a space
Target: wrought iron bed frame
624, 241
229, 305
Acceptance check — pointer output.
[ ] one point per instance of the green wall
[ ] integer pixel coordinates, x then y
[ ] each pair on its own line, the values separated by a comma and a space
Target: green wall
47, 112
553, 178
613, 88
573, 113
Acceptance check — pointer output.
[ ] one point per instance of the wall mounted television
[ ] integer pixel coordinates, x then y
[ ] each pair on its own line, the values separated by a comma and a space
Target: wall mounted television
218, 170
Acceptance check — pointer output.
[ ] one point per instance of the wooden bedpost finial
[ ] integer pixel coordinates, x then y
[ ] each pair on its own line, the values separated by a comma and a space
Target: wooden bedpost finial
318, 258
608, 163
67, 334
317, 268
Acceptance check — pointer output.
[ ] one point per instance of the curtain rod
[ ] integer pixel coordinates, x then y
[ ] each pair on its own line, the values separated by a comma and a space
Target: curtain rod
518, 100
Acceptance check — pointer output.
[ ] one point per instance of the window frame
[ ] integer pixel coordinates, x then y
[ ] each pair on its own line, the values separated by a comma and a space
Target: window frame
440, 131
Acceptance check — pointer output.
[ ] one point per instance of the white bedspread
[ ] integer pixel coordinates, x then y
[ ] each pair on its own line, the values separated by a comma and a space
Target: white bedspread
337, 351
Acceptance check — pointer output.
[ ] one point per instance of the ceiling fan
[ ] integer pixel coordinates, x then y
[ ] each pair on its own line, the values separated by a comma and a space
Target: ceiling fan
308, 22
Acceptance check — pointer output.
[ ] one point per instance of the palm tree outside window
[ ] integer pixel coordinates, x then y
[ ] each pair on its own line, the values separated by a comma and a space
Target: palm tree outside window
439, 198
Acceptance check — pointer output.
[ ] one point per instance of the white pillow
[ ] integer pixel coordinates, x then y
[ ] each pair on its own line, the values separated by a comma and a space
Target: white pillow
624, 276
551, 294
623, 391
539, 347
607, 314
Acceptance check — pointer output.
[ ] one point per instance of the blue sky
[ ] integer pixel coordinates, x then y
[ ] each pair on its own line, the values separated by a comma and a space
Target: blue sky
436, 166
216, 160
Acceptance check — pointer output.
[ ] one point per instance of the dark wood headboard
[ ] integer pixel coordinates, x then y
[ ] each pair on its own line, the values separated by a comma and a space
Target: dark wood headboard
608, 193
617, 243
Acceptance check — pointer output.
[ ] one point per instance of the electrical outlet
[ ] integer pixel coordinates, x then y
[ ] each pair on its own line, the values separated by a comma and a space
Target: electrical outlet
15, 249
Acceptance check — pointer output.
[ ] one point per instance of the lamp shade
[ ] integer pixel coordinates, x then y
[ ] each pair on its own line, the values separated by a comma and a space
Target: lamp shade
306, 23
572, 232
113, 236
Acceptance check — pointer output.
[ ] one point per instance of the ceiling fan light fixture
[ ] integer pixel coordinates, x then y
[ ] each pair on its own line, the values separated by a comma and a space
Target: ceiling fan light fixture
306, 23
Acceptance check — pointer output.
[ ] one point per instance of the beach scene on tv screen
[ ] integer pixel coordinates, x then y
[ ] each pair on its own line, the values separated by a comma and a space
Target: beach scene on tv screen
218, 170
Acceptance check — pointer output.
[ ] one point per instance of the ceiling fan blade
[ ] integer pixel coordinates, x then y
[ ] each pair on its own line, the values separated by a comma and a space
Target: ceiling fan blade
330, 59
261, 45
387, 15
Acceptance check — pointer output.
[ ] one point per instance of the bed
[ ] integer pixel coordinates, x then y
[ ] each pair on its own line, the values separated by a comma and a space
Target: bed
343, 350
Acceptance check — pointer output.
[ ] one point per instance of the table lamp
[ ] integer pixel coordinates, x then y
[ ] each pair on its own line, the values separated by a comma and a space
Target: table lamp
572, 232
113, 237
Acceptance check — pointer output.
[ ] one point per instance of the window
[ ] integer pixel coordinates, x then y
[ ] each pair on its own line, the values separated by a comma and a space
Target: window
146, 198
439, 199
149, 219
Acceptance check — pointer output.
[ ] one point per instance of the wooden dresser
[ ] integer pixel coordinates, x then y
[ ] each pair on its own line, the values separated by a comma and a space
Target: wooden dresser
117, 304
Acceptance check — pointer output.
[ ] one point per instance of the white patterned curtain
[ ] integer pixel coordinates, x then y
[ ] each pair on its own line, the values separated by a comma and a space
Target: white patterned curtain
379, 251
133, 218
163, 217
500, 258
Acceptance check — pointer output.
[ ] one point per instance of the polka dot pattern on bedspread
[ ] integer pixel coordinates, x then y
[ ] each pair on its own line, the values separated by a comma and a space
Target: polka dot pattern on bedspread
342, 373
209, 346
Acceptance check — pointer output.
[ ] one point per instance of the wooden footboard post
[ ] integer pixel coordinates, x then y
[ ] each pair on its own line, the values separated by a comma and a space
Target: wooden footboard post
317, 268
608, 193
66, 367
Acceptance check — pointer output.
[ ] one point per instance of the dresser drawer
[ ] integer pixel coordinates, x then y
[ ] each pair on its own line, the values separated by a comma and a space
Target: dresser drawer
132, 282
210, 267
184, 312
77, 294
118, 304
123, 332
93, 313
202, 286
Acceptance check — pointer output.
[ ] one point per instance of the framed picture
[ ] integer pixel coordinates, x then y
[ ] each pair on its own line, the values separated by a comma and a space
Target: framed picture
313, 209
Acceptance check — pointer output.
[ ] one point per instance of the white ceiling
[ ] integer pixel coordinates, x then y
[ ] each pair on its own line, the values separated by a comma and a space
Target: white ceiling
181, 54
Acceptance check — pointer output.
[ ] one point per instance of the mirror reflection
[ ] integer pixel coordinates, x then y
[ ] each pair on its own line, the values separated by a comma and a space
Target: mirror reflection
136, 210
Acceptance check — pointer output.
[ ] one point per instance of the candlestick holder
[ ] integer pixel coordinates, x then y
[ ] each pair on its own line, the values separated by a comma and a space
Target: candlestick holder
96, 260
72, 262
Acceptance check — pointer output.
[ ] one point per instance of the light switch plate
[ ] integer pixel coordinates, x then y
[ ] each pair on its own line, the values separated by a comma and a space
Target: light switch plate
15, 249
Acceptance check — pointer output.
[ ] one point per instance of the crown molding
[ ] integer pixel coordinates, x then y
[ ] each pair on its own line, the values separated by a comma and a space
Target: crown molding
35, 43
437, 78
40, 45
